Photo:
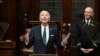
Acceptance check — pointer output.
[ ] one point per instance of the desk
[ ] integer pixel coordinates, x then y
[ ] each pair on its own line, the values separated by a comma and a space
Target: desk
6, 48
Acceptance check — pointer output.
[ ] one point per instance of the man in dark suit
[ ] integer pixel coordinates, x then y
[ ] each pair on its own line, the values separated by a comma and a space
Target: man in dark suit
44, 36
85, 34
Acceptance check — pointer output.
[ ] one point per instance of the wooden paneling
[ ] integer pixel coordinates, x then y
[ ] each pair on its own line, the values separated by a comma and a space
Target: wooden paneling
6, 48
66, 20
67, 11
3, 11
11, 18
28, 7
97, 9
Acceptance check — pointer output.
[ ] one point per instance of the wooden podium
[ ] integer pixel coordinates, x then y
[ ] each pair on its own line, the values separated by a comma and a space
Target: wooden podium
29, 52
43, 55
6, 48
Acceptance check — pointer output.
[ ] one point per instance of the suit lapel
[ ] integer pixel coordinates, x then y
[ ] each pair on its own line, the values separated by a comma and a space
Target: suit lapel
91, 28
40, 34
82, 24
39, 31
50, 31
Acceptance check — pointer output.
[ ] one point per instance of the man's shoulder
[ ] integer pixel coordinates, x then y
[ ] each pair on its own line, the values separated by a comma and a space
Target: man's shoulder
36, 27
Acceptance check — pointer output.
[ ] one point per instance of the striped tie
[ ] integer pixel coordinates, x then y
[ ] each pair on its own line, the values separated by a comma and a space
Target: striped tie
44, 36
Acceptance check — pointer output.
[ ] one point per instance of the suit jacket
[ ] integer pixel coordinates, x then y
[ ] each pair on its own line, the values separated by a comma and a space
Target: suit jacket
36, 40
84, 34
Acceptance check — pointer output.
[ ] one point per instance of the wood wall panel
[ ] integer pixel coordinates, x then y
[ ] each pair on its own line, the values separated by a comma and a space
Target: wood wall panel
67, 11
29, 7
97, 9
11, 18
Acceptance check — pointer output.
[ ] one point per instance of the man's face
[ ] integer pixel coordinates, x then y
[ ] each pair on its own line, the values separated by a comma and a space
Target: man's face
88, 13
44, 17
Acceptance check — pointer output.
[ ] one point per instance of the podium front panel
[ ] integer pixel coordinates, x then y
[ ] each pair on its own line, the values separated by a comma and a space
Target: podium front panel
43, 55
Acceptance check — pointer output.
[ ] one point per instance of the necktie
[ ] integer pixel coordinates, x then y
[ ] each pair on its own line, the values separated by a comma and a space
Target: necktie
87, 23
44, 36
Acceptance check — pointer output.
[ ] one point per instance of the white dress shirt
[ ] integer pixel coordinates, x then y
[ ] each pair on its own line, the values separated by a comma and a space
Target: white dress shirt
47, 32
47, 35
88, 21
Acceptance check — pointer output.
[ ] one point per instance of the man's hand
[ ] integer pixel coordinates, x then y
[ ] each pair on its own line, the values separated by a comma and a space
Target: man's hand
26, 37
86, 51
64, 42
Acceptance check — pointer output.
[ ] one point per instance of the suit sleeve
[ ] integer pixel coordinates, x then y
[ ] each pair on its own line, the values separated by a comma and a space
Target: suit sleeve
57, 39
31, 37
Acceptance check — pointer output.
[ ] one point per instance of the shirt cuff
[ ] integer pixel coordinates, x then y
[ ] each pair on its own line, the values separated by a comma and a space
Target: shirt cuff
26, 42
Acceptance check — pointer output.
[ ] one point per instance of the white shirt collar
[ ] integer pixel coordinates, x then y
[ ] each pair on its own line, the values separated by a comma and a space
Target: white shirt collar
44, 27
88, 21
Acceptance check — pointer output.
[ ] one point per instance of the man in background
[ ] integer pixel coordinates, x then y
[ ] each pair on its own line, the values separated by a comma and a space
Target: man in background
85, 34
